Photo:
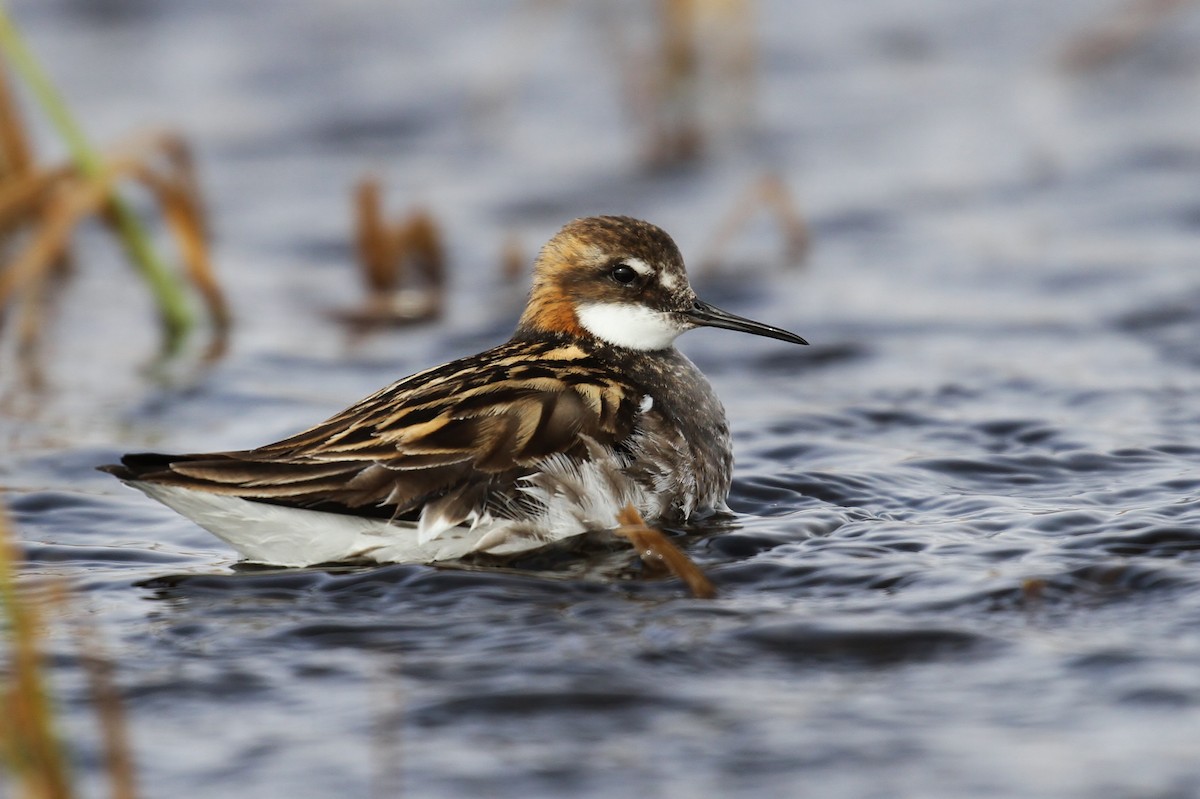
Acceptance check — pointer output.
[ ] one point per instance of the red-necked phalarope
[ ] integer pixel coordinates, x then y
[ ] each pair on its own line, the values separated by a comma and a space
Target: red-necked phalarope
588, 408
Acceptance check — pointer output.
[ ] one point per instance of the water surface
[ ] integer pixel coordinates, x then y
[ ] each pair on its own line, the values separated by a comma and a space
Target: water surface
966, 551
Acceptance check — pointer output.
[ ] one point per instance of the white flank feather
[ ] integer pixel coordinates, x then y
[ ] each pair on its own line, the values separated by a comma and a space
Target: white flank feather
283, 536
579, 497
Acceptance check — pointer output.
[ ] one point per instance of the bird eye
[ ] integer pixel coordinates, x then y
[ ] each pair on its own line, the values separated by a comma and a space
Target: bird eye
623, 274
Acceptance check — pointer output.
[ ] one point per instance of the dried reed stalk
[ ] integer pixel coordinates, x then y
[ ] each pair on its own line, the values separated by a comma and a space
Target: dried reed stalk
64, 199
402, 263
177, 191
30, 744
1134, 23
114, 729
29, 741
174, 312
771, 193
51, 201
701, 77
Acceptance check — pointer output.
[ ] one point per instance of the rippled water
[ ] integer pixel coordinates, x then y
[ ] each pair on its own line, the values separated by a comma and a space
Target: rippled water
966, 552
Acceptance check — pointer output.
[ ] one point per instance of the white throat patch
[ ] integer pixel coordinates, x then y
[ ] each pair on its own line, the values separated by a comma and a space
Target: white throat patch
627, 325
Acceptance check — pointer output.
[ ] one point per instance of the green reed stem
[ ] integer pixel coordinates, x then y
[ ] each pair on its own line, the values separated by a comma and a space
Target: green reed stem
173, 308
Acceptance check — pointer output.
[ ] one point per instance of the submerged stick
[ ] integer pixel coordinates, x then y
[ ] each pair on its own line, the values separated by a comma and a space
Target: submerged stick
654, 547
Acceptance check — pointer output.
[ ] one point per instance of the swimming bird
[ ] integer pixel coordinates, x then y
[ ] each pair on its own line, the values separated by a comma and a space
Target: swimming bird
587, 409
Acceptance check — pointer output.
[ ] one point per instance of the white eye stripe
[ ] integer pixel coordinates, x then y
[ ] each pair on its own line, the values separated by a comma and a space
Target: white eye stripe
638, 265
667, 279
634, 326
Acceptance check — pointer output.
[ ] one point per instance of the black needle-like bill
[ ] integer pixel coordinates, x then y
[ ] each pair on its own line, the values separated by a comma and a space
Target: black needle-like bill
707, 315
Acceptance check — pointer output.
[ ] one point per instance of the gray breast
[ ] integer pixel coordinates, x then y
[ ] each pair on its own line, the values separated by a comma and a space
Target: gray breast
682, 450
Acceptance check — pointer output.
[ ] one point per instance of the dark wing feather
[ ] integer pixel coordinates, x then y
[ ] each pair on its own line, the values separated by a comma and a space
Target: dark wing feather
454, 433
